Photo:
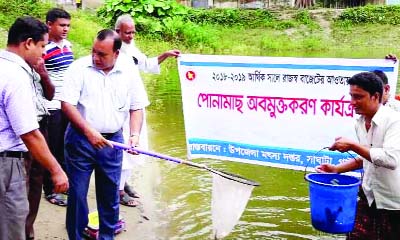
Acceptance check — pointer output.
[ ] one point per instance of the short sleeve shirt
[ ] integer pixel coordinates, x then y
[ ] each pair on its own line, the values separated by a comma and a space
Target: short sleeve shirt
382, 175
104, 100
57, 59
17, 111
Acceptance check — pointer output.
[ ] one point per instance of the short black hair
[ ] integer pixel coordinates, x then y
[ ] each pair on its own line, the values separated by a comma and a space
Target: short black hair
55, 13
368, 81
24, 28
382, 76
109, 33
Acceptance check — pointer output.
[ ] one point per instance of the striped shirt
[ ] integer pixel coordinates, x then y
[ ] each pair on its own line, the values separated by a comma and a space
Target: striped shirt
57, 59
17, 111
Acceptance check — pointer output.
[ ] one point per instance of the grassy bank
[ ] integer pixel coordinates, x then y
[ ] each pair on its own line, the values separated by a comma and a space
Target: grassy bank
295, 33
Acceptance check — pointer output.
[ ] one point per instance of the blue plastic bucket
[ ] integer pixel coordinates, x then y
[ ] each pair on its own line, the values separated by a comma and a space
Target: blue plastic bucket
333, 201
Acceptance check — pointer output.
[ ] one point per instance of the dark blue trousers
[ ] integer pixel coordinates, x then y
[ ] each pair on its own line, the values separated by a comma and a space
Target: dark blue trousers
81, 159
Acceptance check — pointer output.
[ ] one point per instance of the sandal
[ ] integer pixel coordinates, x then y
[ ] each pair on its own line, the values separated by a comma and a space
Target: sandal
128, 201
57, 199
129, 190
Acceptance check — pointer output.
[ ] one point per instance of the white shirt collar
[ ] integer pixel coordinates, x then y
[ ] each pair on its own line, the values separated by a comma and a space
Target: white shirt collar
62, 44
378, 117
12, 57
118, 66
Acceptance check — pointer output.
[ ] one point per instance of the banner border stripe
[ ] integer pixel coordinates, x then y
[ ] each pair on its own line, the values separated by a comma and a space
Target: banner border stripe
287, 66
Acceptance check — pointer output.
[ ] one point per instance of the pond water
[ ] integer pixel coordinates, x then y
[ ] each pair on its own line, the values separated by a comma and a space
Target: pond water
278, 209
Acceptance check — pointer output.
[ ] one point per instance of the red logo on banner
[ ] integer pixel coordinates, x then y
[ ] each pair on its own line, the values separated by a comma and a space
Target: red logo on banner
190, 75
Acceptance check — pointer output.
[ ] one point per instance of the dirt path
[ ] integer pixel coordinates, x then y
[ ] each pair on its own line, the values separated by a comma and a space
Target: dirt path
50, 223
321, 17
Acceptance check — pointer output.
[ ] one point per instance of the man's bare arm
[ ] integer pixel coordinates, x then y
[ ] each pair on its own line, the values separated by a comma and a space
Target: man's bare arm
37, 146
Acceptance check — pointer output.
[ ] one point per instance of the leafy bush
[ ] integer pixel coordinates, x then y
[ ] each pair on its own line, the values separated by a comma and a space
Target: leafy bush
191, 34
303, 17
148, 14
389, 14
12, 9
171, 21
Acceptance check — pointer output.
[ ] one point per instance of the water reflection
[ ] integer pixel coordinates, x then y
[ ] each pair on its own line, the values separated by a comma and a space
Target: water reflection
278, 209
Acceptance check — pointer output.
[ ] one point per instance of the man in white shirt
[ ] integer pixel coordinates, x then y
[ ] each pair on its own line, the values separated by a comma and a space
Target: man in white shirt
99, 93
125, 27
378, 133
19, 127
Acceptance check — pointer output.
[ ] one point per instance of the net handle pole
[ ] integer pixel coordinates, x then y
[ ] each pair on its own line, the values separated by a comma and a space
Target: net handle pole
122, 146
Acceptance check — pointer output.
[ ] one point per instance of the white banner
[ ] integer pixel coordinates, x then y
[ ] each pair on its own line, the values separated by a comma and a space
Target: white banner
270, 110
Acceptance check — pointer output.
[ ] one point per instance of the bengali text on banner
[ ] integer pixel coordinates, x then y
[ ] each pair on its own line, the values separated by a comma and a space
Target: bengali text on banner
273, 111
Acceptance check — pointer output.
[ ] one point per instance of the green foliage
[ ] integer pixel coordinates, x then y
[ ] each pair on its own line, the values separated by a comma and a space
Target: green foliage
314, 43
192, 34
282, 42
3, 38
389, 14
345, 24
274, 43
12, 9
148, 14
284, 24
231, 17
173, 22
84, 27
303, 16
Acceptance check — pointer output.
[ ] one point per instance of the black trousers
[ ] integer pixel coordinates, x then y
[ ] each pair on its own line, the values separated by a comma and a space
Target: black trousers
373, 223
56, 126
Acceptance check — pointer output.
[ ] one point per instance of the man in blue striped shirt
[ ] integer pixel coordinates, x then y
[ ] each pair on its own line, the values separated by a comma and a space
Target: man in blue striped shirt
58, 56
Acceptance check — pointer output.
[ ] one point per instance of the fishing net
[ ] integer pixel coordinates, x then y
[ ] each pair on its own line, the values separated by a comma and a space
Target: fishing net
232, 176
229, 199
230, 192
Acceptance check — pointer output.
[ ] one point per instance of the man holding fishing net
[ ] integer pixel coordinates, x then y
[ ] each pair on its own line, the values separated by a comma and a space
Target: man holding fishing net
100, 92
378, 147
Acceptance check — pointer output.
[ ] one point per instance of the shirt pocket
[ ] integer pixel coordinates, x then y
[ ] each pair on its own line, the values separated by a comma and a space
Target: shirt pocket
120, 97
